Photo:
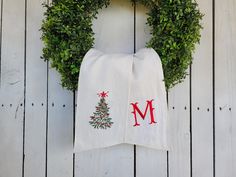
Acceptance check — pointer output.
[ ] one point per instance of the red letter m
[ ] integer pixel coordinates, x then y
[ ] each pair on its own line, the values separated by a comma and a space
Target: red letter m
137, 110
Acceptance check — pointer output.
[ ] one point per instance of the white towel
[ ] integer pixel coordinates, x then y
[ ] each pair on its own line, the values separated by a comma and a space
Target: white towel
121, 99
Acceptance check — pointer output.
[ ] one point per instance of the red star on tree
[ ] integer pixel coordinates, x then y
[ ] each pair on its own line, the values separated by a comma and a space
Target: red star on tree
103, 94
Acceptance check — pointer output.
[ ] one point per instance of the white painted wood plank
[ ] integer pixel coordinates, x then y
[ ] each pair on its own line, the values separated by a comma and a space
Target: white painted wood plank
149, 162
12, 89
114, 161
36, 94
60, 128
179, 155
225, 88
202, 98
114, 33
114, 28
142, 29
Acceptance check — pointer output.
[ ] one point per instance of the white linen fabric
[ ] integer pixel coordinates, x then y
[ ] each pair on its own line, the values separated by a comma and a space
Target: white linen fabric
121, 99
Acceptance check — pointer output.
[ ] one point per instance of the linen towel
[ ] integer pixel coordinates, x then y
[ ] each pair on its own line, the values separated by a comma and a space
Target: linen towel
121, 99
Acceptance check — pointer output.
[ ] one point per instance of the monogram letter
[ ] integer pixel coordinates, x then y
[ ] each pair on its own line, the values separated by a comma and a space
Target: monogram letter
137, 110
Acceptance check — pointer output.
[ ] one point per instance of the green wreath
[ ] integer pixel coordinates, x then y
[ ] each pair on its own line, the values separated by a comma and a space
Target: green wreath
67, 35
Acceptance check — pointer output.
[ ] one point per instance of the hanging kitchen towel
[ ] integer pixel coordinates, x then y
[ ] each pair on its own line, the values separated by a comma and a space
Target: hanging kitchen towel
121, 99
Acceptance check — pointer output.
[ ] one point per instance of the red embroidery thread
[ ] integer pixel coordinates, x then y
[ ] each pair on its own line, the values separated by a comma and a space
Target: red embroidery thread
136, 109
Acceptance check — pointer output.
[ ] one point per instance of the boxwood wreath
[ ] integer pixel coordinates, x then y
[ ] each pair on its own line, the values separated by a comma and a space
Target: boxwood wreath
67, 35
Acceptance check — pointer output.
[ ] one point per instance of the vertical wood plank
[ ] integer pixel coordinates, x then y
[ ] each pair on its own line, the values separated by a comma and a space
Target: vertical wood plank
179, 113
12, 88
36, 94
151, 163
113, 33
114, 28
225, 86
59, 128
202, 98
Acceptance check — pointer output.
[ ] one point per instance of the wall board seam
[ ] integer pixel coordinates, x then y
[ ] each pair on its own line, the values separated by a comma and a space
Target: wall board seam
213, 81
1, 43
24, 113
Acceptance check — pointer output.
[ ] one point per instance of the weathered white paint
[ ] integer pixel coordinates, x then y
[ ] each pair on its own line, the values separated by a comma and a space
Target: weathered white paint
60, 128
225, 90
115, 33
179, 106
36, 94
12, 88
202, 86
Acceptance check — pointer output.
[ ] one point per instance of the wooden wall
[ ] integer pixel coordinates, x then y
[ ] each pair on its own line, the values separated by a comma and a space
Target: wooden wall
37, 115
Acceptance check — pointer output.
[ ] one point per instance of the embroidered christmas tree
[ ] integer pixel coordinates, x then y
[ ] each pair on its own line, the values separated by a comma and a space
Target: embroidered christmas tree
100, 118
